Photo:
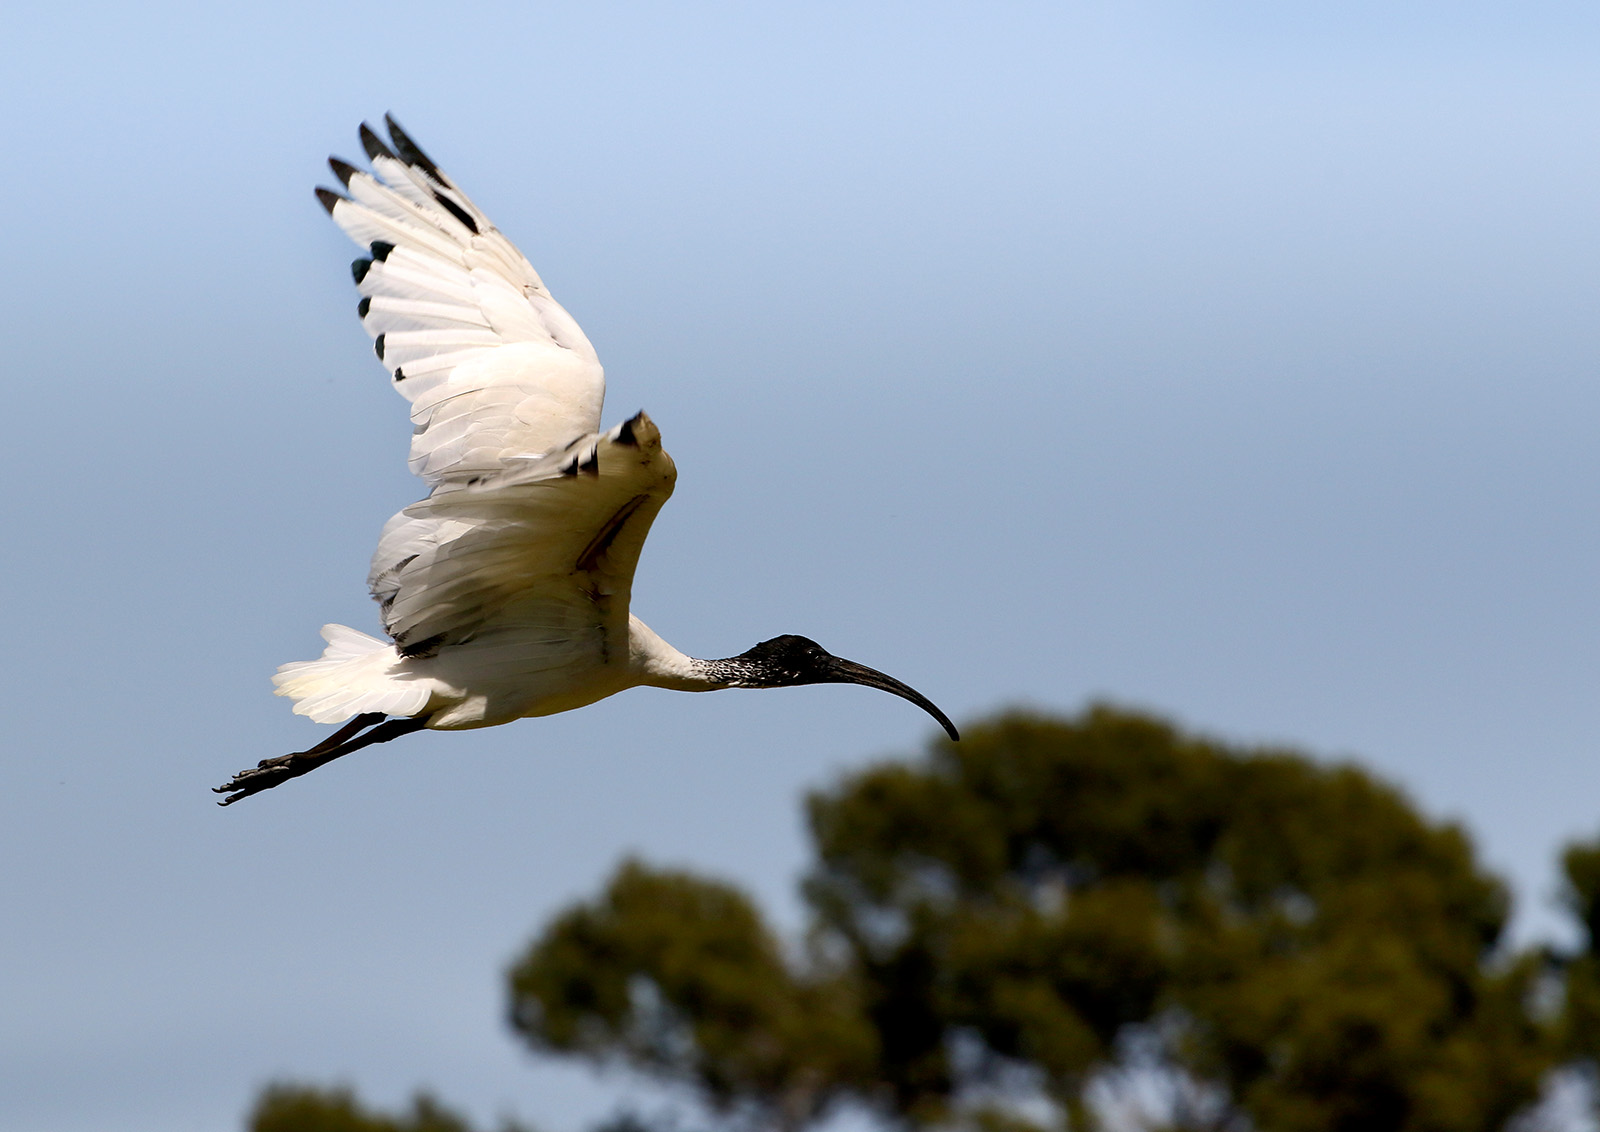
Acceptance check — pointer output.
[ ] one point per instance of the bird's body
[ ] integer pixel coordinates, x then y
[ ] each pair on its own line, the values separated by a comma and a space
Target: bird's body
512, 674
505, 592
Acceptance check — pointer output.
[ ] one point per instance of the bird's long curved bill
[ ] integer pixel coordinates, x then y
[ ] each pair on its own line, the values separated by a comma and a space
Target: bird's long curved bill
849, 672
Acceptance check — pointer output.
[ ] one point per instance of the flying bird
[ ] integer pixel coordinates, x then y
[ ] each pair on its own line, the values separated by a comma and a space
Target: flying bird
505, 592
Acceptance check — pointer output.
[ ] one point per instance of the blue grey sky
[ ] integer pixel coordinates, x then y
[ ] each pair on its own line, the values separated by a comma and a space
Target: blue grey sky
1235, 360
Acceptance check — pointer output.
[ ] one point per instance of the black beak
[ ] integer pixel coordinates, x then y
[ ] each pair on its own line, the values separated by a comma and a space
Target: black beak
843, 671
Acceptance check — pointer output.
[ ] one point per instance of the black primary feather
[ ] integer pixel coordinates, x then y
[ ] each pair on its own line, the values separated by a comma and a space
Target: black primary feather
458, 212
410, 152
342, 170
373, 144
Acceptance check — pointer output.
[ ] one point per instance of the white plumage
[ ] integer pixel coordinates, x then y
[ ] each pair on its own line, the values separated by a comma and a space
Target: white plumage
505, 593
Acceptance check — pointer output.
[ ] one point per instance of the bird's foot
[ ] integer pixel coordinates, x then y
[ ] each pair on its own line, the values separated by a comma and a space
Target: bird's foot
263, 776
270, 772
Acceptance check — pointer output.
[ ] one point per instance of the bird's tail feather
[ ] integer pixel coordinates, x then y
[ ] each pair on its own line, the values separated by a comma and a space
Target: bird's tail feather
356, 673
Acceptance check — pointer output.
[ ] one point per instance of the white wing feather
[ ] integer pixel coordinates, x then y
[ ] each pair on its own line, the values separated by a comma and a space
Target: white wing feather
546, 548
527, 545
495, 369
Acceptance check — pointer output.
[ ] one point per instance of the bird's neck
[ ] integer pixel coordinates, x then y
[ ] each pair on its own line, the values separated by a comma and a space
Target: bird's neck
657, 664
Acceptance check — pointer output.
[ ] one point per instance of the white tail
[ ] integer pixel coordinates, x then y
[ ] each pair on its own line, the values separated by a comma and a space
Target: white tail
355, 674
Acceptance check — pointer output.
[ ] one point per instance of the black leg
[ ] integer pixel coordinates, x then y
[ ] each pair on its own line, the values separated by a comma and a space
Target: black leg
270, 772
360, 723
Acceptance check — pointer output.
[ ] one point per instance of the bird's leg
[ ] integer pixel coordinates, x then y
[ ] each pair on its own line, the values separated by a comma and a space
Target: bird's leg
270, 772
360, 723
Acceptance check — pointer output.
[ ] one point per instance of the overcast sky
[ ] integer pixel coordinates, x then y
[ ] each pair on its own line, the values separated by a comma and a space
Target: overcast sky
1232, 364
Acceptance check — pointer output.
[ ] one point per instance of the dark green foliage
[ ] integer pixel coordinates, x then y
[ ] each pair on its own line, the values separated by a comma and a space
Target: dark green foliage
297, 1108
1581, 866
1312, 944
1291, 938
680, 977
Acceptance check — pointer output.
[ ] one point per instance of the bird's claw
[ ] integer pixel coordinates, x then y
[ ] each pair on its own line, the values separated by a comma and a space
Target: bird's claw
351, 737
265, 774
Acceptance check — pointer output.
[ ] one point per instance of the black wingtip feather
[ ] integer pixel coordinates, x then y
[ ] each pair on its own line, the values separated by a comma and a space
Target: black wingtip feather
359, 269
373, 144
458, 212
381, 250
342, 169
377, 345
363, 307
410, 152
329, 198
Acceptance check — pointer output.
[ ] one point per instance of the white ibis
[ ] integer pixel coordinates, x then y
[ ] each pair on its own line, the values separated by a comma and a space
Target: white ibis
505, 592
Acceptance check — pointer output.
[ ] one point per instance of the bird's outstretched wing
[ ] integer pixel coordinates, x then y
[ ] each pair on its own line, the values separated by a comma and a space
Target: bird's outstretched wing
541, 551
495, 369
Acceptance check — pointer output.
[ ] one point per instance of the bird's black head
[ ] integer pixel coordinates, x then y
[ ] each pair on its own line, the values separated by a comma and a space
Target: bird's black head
789, 660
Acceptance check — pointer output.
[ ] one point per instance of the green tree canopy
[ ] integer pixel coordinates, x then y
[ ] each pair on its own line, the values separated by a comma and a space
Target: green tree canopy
298, 1108
680, 977
1580, 865
1013, 918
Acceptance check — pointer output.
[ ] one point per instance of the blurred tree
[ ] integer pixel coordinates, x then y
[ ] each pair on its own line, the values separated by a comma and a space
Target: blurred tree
1011, 926
679, 977
1580, 864
298, 1108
